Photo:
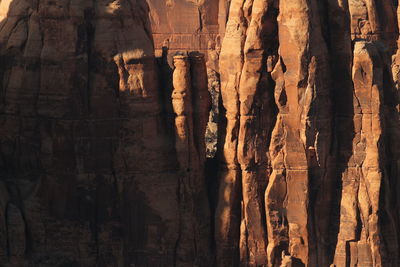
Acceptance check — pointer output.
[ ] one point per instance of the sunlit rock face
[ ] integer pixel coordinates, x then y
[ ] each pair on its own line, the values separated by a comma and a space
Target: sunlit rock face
199, 133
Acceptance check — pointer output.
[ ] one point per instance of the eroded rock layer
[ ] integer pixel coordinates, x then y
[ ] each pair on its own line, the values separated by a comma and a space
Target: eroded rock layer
91, 174
105, 130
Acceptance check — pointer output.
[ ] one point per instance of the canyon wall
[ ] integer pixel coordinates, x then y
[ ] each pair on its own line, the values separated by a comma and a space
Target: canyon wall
91, 173
199, 133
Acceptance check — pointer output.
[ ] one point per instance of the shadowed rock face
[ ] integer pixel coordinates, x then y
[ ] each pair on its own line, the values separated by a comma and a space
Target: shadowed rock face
105, 128
91, 174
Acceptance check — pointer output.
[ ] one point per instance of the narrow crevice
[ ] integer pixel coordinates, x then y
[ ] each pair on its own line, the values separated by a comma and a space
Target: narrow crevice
200, 19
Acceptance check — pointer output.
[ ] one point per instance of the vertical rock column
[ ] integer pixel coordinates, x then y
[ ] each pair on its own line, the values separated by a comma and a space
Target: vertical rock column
359, 236
228, 211
181, 102
367, 233
301, 138
246, 87
256, 119
191, 104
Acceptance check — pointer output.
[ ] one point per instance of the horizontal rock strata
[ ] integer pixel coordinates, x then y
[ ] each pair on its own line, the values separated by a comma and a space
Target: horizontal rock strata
110, 156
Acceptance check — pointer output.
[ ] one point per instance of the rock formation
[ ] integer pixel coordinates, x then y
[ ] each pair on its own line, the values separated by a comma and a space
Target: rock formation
89, 173
105, 130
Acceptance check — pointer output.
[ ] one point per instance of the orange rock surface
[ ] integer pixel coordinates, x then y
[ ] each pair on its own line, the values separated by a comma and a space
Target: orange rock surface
200, 133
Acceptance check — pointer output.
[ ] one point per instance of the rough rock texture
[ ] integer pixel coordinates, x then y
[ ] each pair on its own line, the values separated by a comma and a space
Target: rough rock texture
184, 25
105, 126
90, 175
330, 195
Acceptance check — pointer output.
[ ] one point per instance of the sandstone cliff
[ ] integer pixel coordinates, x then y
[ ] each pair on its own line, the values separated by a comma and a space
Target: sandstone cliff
105, 126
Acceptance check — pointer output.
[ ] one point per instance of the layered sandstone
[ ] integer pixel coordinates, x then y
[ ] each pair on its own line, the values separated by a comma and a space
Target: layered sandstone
330, 197
105, 126
91, 174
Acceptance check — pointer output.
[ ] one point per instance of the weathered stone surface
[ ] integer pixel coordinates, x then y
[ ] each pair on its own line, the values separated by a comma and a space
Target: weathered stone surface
105, 130
327, 197
89, 174
187, 25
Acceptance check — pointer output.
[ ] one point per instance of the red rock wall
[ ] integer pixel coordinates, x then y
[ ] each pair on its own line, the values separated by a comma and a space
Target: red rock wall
331, 167
104, 108
89, 171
